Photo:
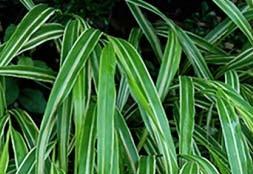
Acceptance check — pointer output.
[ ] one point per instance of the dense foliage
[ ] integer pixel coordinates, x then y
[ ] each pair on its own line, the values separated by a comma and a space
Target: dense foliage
165, 101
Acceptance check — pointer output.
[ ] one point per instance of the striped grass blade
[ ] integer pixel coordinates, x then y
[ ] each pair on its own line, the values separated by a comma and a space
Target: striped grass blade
105, 111
88, 142
29, 25
190, 168
4, 154
29, 129
144, 92
226, 27
123, 94
28, 72
236, 16
45, 33
127, 140
187, 114
147, 165
66, 77
193, 54
170, 64
70, 35
205, 165
232, 79
147, 29
18, 146
3, 105
232, 135
28, 4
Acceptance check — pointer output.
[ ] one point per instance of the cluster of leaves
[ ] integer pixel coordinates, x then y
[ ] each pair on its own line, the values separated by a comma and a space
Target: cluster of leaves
105, 114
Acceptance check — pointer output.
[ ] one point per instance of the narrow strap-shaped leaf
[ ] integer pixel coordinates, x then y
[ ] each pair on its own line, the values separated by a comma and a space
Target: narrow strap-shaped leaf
134, 39
205, 165
4, 155
95, 57
205, 45
3, 122
218, 59
116, 155
187, 44
242, 60
28, 72
187, 113
232, 79
232, 135
3, 105
147, 29
243, 107
218, 154
105, 111
87, 142
29, 25
27, 125
18, 146
70, 35
28, 163
147, 165
65, 80
170, 64
236, 16
194, 55
190, 168
149, 7
45, 33
63, 131
28, 4
127, 140
202, 43
144, 91
223, 29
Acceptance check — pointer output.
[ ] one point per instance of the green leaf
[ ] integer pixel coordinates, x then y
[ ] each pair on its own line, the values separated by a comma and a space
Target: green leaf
28, 127
29, 25
9, 31
205, 165
147, 29
12, 90
194, 55
4, 155
45, 33
64, 82
27, 72
187, 114
18, 146
105, 111
232, 135
88, 142
170, 64
190, 168
250, 3
127, 140
33, 100
28, 4
3, 104
144, 92
236, 16
147, 165
71, 34
123, 94
232, 79
26, 61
